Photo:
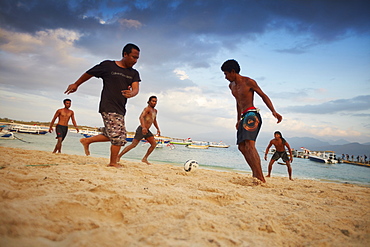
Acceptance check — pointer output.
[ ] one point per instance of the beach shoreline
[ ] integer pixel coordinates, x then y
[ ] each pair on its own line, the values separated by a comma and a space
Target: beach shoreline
72, 200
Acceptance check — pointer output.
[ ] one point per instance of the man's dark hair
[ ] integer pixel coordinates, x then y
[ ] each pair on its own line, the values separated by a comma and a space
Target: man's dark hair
151, 97
128, 48
65, 100
230, 65
281, 136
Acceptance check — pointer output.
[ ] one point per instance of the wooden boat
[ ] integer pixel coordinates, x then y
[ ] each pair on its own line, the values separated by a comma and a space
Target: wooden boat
218, 145
195, 146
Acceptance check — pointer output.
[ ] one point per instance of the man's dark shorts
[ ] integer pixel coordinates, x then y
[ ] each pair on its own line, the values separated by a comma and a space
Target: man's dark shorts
61, 131
114, 128
283, 155
249, 126
139, 134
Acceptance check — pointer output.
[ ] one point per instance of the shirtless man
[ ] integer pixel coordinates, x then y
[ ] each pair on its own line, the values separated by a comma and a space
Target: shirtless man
280, 143
248, 119
64, 115
147, 118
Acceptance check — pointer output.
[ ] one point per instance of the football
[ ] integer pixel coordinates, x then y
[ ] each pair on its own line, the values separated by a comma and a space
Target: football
190, 165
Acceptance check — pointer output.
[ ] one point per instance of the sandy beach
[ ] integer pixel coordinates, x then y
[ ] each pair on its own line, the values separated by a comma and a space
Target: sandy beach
69, 200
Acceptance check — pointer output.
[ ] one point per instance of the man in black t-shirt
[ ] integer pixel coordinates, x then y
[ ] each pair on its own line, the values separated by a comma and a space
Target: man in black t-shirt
120, 82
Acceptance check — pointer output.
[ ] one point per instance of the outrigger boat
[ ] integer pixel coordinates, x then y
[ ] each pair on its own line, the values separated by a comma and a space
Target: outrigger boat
5, 134
28, 129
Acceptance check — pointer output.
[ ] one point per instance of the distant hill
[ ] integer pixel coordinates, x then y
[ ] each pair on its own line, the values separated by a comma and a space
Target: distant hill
306, 142
351, 149
354, 148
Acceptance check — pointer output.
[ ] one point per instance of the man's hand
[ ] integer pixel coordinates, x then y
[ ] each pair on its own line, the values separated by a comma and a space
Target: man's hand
127, 93
144, 131
71, 89
50, 129
277, 116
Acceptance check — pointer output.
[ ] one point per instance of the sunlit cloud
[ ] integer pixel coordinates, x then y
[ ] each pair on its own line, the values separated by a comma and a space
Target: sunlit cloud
181, 74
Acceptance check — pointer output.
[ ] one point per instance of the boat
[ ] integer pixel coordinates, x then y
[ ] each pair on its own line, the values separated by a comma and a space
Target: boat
28, 129
327, 157
197, 146
6, 134
218, 145
178, 141
90, 132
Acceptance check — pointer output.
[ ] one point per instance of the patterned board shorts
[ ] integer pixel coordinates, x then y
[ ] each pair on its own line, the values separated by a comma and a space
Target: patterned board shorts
115, 128
249, 126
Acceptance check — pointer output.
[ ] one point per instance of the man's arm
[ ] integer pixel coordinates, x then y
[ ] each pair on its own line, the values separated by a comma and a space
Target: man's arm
142, 121
290, 151
57, 113
156, 126
267, 101
73, 87
132, 91
74, 121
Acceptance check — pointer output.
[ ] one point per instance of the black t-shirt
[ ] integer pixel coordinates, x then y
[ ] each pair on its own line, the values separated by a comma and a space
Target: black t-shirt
115, 79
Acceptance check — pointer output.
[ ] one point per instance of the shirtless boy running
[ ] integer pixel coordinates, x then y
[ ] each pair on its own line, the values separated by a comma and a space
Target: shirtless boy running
280, 143
147, 118
61, 129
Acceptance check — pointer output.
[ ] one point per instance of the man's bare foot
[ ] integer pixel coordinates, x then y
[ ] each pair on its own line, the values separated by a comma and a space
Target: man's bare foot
268, 176
291, 179
116, 165
85, 145
146, 161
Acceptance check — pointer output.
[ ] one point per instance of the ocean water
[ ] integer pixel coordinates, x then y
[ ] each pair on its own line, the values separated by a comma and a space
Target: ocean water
226, 159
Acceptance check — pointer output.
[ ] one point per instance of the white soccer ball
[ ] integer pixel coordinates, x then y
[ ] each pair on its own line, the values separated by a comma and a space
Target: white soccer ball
190, 165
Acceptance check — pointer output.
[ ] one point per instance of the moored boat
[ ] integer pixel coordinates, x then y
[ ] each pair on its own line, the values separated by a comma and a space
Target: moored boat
218, 145
327, 157
28, 129
5, 134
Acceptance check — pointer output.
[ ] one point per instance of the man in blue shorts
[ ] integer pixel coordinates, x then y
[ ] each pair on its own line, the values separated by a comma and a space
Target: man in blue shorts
120, 82
248, 118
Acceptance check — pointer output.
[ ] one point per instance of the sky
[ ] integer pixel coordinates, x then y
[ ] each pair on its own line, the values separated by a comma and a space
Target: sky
312, 58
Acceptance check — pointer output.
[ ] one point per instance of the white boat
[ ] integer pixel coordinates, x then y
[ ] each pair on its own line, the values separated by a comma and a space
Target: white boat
29, 129
179, 141
5, 134
327, 157
90, 132
218, 145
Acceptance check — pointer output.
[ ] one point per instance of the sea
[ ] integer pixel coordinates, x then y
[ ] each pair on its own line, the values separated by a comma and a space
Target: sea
222, 159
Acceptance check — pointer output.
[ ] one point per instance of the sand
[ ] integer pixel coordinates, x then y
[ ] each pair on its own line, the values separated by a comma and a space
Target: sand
69, 200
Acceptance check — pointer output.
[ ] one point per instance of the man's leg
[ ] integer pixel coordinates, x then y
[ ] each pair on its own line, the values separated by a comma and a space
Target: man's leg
270, 167
128, 148
249, 151
153, 144
114, 150
87, 141
58, 146
289, 169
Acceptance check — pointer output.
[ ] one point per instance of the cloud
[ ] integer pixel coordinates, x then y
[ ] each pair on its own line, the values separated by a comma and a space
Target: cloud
356, 104
181, 74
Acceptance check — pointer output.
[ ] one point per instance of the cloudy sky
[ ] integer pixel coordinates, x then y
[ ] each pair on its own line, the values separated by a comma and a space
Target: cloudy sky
312, 58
